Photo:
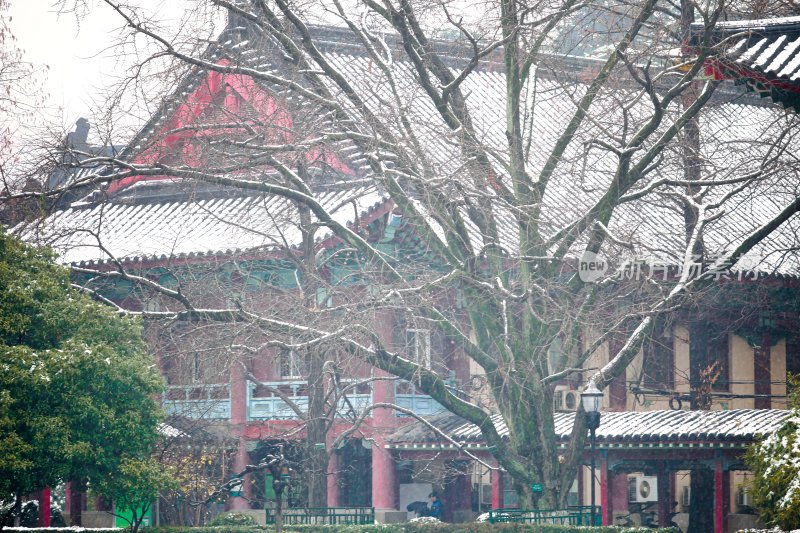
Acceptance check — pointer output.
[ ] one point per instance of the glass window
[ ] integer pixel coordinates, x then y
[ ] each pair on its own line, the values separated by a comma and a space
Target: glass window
291, 363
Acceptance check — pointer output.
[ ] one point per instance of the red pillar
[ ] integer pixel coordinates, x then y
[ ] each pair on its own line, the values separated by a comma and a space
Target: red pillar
76, 501
665, 498
238, 397
385, 490
384, 479
606, 492
719, 497
238, 422
497, 489
44, 507
619, 494
334, 499
240, 461
726, 498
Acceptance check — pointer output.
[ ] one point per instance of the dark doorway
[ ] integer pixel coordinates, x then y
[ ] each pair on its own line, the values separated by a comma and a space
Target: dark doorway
355, 460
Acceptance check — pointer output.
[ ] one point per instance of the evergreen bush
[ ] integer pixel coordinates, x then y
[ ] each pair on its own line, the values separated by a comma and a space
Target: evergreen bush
232, 519
471, 527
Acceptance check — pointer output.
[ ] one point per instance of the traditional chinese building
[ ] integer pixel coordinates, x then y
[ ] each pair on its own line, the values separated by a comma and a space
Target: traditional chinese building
218, 245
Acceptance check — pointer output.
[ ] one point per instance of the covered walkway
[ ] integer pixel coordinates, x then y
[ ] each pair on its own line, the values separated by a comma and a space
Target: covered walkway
655, 444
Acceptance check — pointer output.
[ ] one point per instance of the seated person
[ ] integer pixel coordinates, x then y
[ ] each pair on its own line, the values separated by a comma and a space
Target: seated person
435, 506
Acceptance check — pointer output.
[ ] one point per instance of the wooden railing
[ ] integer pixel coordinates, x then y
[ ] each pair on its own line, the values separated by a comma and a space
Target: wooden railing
407, 396
210, 401
274, 407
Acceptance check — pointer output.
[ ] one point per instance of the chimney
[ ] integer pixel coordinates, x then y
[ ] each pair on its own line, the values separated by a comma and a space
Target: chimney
79, 137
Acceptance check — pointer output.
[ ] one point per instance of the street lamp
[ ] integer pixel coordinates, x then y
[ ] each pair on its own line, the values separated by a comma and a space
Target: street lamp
592, 401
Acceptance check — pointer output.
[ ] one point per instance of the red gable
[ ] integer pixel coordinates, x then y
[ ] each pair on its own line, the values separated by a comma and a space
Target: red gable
220, 105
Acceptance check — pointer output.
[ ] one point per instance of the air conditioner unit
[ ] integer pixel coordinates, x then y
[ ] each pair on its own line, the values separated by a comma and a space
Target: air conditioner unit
565, 399
642, 489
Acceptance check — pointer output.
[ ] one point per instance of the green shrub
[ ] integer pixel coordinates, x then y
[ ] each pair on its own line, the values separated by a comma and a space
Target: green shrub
63, 530
775, 461
30, 515
415, 528
233, 518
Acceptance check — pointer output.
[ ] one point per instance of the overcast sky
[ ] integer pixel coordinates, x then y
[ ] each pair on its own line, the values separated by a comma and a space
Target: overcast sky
77, 52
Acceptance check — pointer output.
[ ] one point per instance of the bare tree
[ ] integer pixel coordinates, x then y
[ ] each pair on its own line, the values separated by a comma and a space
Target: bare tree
509, 168
21, 99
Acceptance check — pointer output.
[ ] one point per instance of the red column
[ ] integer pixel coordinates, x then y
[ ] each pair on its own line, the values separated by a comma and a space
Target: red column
619, 494
719, 496
726, 498
497, 489
334, 467
238, 422
384, 479
240, 461
385, 490
238, 397
665, 498
606, 493
44, 507
76, 498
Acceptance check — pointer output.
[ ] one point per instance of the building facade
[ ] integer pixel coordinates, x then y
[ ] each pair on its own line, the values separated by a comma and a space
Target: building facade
177, 249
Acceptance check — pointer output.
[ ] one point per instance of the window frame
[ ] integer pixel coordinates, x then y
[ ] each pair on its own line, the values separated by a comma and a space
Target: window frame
415, 355
295, 364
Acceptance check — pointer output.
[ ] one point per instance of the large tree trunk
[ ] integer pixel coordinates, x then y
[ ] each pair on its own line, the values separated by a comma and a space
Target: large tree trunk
317, 467
534, 440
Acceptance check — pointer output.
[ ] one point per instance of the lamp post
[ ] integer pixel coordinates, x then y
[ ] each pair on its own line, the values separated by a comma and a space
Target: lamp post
592, 401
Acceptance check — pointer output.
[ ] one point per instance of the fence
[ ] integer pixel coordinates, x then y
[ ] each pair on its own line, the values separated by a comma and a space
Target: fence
325, 515
572, 516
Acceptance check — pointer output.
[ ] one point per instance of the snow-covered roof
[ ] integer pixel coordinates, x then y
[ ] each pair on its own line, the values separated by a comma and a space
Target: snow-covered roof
184, 227
736, 427
762, 54
736, 135
170, 432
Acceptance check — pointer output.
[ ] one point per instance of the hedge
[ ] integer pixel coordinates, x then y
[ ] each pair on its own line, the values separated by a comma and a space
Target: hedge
232, 518
66, 529
377, 528
472, 527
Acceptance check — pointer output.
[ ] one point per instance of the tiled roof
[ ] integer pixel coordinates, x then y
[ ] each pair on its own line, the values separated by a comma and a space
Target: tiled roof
183, 227
167, 431
762, 54
653, 225
737, 426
